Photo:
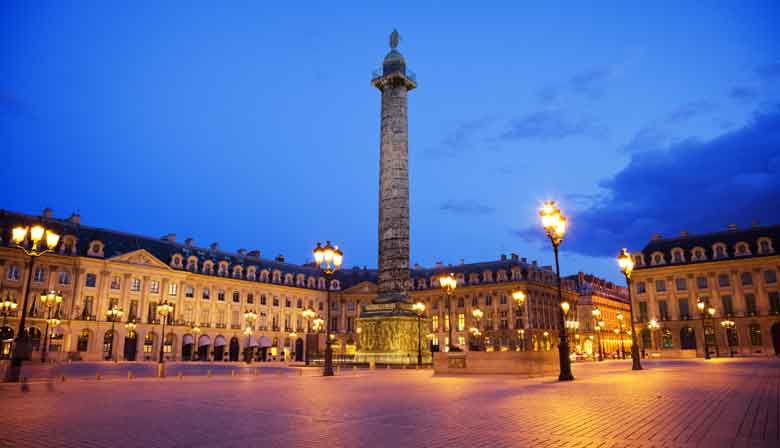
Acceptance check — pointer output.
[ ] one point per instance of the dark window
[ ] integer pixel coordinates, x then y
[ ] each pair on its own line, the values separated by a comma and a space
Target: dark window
276, 301
262, 299
666, 338
250, 298
189, 291
321, 306
701, 282
502, 300
728, 305
642, 311
681, 284
770, 276
460, 302
750, 304
746, 278
685, 312
205, 294
755, 334
287, 302
687, 338
663, 310
236, 297
82, 342
774, 303
221, 295
723, 280
641, 287
660, 285
474, 302
299, 304
91, 280
488, 300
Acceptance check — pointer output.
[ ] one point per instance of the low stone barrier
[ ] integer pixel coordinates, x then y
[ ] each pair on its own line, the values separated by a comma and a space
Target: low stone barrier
511, 363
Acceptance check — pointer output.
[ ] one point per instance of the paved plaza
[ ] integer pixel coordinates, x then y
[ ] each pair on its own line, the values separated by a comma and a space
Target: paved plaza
722, 402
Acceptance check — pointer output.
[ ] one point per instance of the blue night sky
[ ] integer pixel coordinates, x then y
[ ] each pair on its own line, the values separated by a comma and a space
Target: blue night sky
255, 125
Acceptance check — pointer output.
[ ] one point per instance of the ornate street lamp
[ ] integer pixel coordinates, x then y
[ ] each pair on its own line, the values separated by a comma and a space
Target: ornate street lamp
163, 309
521, 335
596, 315
729, 325
519, 297
477, 314
317, 324
7, 307
448, 283
701, 305
33, 247
250, 317
652, 326
554, 224
308, 315
626, 264
114, 314
130, 327
49, 300
419, 309
328, 260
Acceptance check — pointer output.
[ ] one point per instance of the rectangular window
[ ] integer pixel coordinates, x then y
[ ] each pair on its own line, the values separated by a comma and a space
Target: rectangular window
488, 300
115, 282
350, 324
701, 282
173, 289
446, 322
204, 317
461, 341
461, 321
641, 287
135, 284
723, 280
154, 287
236, 297
663, 310
770, 276
288, 303
435, 323
39, 275
133, 311
189, 292
681, 284
151, 313
750, 304
774, 303
206, 294
13, 272
263, 300
86, 312
221, 295
234, 318
746, 278
728, 305
250, 298
685, 313
276, 301
220, 317
334, 324
660, 285
755, 334
64, 278
643, 311
503, 322
502, 299
351, 307
90, 281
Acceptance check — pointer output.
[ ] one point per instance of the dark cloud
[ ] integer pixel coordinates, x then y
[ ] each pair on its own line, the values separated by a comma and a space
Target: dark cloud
551, 125
695, 185
769, 72
689, 111
592, 83
647, 138
466, 207
463, 137
743, 93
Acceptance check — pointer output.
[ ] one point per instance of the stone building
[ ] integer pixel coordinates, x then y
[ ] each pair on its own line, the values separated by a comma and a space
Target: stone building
95, 269
612, 302
733, 271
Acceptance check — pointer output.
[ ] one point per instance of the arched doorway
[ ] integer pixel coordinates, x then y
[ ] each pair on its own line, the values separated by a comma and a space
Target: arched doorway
168, 346
82, 342
131, 346
149, 346
687, 338
775, 330
187, 343
35, 338
204, 342
264, 343
108, 345
299, 350
233, 355
219, 348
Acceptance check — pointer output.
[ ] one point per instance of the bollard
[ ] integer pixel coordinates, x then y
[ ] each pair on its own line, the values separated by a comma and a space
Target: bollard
25, 387
208, 373
387, 366
180, 376
232, 373
354, 366
62, 378
129, 375
97, 376
338, 370
372, 365
300, 372
403, 366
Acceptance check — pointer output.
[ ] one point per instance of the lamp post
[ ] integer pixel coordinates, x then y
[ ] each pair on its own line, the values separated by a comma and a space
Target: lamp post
554, 224
596, 313
308, 315
419, 309
7, 307
33, 249
652, 326
114, 314
448, 283
250, 317
328, 259
601, 326
701, 305
163, 309
196, 349
626, 264
620, 335
711, 313
477, 313
519, 297
729, 326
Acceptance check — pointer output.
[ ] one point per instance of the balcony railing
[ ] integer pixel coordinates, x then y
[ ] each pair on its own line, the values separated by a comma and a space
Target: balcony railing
378, 73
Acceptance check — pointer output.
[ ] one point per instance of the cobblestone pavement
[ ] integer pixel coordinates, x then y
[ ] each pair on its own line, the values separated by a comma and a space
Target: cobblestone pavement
693, 403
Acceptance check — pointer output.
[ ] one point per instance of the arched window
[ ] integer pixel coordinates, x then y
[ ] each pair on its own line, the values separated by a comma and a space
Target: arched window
176, 261
251, 273
208, 267
82, 342
755, 334
276, 277
666, 338
698, 254
719, 251
741, 249
237, 271
658, 258
311, 282
765, 246
96, 249
321, 283
108, 342
638, 260
687, 338
192, 264
677, 255
288, 279
264, 275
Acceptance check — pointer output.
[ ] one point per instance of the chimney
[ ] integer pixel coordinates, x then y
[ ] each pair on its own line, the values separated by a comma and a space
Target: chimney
534, 263
439, 264
657, 236
732, 227
47, 213
254, 253
503, 257
170, 237
189, 242
514, 257
754, 224
417, 266
524, 260
75, 218
214, 247
279, 258
684, 233
462, 262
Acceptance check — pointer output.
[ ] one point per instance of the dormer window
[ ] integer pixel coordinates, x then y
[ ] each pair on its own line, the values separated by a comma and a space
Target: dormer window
742, 249
251, 273
276, 277
288, 279
677, 256
176, 261
237, 272
638, 261
264, 275
698, 254
719, 251
223, 269
311, 282
765, 246
487, 276
300, 279
334, 285
208, 267
321, 283
658, 258
473, 279
96, 249
192, 264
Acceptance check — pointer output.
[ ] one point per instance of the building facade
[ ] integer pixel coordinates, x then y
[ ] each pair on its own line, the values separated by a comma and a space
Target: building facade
210, 290
734, 272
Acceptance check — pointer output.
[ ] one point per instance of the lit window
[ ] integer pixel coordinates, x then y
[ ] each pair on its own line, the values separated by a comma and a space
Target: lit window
173, 289
135, 284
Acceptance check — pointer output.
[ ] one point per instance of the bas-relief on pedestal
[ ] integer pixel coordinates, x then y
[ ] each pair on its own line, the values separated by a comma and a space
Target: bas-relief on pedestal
389, 325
